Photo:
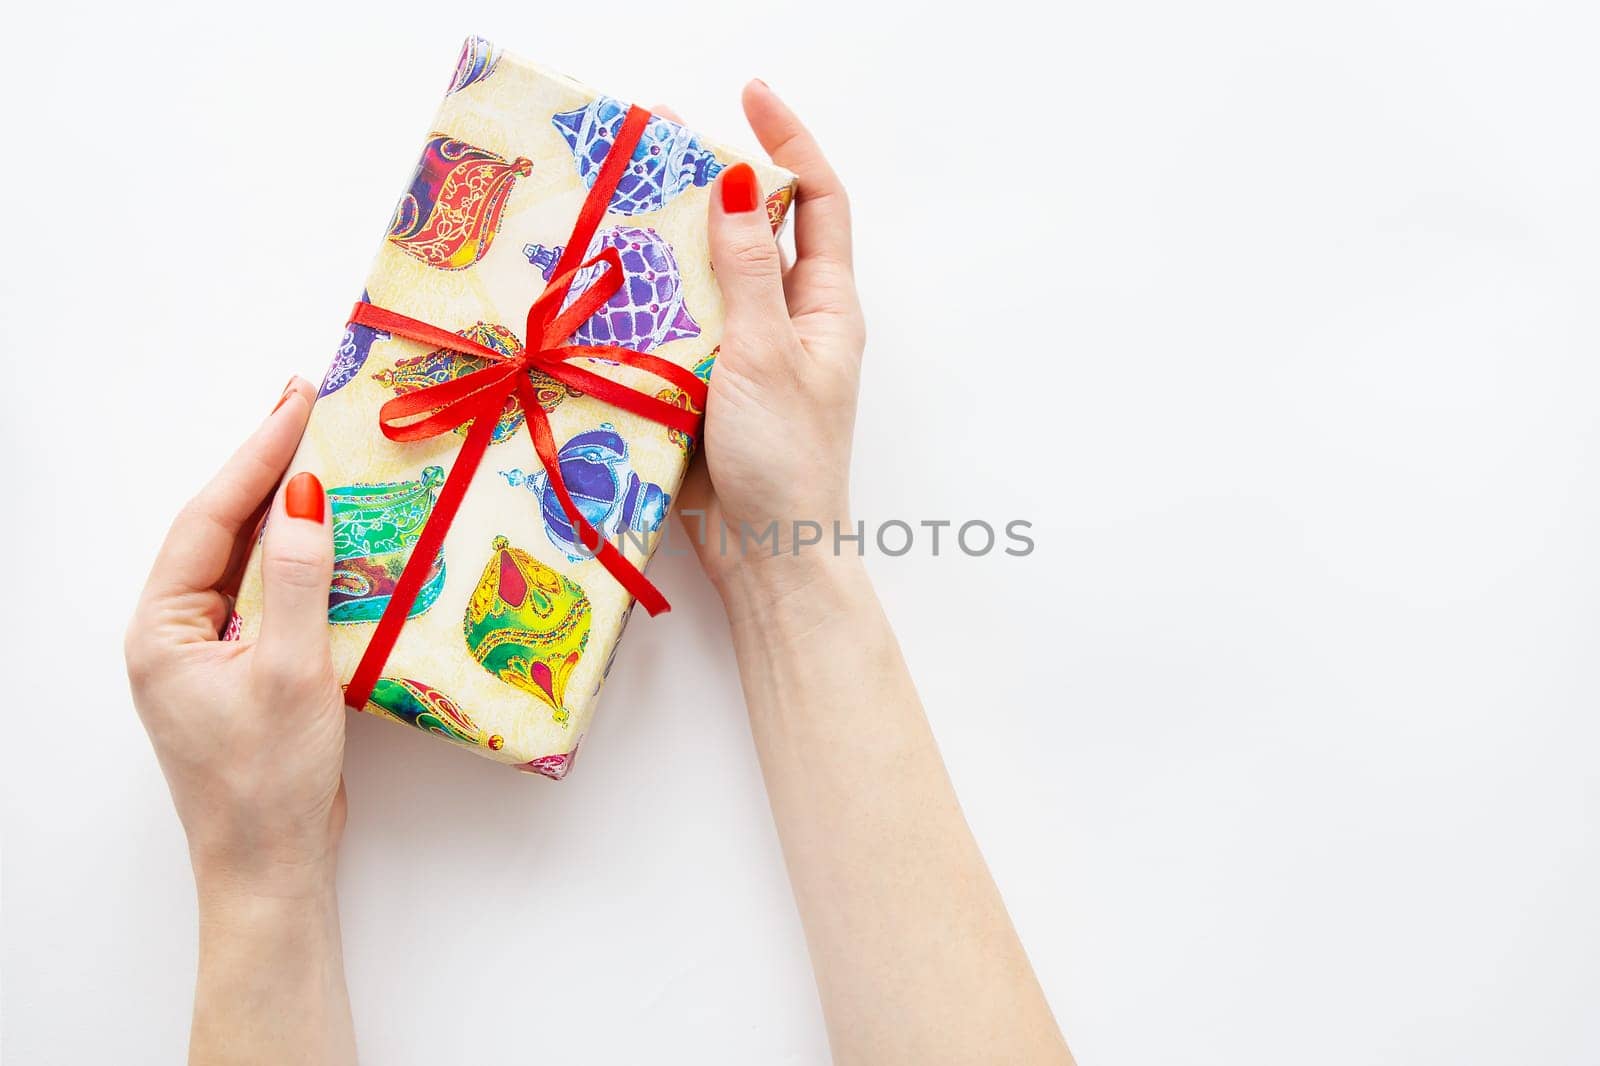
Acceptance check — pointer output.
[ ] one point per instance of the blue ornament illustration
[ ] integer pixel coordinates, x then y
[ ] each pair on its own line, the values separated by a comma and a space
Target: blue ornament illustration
610, 496
648, 310
353, 352
668, 159
478, 59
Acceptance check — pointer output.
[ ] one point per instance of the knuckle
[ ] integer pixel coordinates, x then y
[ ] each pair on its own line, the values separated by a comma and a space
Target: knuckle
833, 196
295, 568
793, 140
836, 297
754, 256
197, 510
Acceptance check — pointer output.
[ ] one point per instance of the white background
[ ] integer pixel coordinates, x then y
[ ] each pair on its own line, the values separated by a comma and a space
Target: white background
1277, 320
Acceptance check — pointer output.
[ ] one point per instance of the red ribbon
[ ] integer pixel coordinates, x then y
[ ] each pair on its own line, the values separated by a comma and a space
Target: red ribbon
481, 396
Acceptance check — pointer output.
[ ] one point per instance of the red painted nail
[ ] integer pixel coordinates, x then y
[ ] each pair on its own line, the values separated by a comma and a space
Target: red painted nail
739, 190
303, 498
285, 397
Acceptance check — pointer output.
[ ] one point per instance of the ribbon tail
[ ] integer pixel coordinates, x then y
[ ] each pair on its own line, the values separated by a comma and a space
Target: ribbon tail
359, 690
617, 565
415, 329
632, 578
605, 183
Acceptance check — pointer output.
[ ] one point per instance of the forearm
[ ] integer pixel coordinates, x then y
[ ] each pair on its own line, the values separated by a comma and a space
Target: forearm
271, 985
915, 956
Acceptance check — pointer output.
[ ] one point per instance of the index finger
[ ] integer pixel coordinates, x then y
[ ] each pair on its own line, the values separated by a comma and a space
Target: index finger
822, 218
201, 543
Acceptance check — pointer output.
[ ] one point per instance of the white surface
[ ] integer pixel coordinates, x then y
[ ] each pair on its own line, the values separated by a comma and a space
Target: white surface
1282, 745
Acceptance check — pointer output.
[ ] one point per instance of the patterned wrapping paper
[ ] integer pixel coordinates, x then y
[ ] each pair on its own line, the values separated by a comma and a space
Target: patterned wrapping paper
509, 641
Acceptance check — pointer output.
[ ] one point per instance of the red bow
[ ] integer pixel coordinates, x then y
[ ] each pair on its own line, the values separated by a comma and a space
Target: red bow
481, 396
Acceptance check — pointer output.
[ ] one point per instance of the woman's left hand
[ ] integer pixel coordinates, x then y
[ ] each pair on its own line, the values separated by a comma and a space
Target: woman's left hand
250, 735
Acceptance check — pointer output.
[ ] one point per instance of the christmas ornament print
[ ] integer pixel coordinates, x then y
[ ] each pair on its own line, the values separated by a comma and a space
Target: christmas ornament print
554, 767
430, 710
610, 496
668, 160
647, 311
352, 353
478, 59
528, 625
678, 398
418, 371
374, 529
448, 218
702, 369
778, 207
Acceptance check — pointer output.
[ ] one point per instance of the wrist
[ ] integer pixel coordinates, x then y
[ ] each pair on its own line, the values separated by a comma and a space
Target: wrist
246, 914
796, 590
236, 852
242, 917
270, 986
222, 883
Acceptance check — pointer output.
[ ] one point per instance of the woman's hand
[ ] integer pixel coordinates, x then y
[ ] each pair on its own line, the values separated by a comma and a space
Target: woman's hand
251, 738
783, 393
249, 735
886, 874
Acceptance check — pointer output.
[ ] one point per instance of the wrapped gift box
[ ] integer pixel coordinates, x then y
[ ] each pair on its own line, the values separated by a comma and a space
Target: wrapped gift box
515, 625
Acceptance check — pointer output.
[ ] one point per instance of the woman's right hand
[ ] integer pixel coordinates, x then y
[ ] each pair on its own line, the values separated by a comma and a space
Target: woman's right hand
886, 875
783, 394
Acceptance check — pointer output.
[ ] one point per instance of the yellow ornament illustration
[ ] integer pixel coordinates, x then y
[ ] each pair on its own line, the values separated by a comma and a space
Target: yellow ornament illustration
528, 625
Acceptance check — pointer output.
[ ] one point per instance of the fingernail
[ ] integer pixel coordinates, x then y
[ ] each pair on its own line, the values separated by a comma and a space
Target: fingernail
762, 82
287, 389
739, 191
303, 498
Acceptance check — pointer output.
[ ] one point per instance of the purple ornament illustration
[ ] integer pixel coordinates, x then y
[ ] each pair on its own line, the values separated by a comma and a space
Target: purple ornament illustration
610, 496
353, 352
648, 310
478, 59
668, 160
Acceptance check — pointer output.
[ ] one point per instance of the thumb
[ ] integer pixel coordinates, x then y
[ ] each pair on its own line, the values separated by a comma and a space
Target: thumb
296, 567
744, 252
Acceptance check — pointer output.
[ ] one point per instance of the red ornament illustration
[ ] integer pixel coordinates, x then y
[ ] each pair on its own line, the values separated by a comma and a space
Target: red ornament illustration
778, 206
449, 216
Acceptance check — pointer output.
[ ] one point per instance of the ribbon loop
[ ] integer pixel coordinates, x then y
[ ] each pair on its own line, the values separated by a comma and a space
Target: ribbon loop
448, 404
600, 290
588, 303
